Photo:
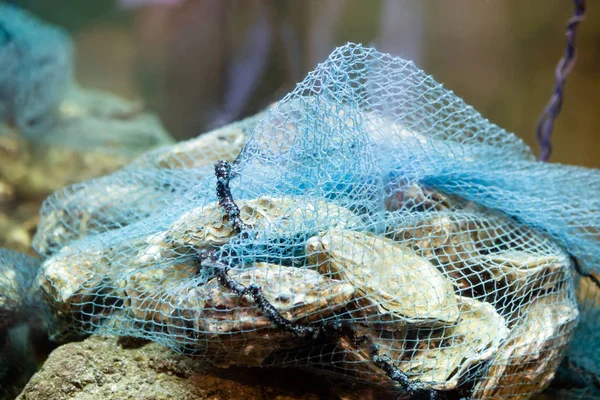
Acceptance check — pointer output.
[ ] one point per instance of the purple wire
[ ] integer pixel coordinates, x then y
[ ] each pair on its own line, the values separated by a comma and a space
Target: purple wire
566, 63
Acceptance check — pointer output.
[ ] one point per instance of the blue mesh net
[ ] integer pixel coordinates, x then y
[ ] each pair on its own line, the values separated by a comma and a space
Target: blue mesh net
369, 224
37, 69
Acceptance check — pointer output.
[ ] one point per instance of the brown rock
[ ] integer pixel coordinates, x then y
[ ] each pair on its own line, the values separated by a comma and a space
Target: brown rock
101, 368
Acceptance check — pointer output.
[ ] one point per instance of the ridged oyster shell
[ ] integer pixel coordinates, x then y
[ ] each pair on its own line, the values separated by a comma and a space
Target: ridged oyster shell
209, 319
481, 248
150, 293
392, 277
273, 217
526, 363
438, 357
299, 294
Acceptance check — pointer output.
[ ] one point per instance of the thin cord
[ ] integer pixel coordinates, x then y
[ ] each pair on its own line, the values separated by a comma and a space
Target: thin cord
566, 63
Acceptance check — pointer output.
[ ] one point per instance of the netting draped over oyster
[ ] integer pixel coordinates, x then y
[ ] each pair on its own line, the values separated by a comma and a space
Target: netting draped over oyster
418, 244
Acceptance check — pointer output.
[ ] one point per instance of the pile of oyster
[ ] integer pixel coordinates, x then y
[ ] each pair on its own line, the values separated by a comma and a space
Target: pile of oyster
454, 296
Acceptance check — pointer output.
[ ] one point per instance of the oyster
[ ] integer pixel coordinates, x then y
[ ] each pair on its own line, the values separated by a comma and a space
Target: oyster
107, 203
478, 249
415, 197
524, 270
221, 144
527, 361
71, 278
209, 319
448, 353
439, 358
273, 217
150, 292
75, 279
299, 294
249, 349
391, 277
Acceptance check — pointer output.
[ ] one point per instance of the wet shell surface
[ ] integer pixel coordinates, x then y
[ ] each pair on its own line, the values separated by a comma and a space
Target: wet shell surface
150, 293
390, 276
221, 144
437, 357
76, 277
232, 330
525, 270
526, 363
250, 349
98, 207
448, 353
273, 217
71, 278
298, 294
481, 248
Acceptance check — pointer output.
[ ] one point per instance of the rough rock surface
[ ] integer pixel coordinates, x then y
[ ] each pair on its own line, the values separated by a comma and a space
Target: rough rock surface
107, 368
104, 367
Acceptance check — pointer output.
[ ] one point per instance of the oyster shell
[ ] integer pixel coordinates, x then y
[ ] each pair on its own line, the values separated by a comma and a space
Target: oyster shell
449, 352
211, 320
78, 279
151, 292
272, 216
221, 144
439, 358
107, 203
71, 278
139, 189
478, 249
391, 277
415, 197
526, 271
299, 294
527, 361
249, 349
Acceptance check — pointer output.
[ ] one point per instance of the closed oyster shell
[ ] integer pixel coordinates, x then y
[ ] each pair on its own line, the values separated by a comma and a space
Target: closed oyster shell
481, 248
526, 363
136, 191
150, 292
449, 352
72, 278
249, 349
299, 294
209, 319
272, 216
525, 270
76, 280
221, 144
439, 358
415, 197
392, 277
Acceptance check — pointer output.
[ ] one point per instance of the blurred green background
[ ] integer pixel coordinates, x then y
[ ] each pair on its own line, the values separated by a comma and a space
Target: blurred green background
202, 63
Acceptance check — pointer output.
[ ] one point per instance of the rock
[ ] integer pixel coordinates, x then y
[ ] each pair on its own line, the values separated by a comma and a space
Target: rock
106, 368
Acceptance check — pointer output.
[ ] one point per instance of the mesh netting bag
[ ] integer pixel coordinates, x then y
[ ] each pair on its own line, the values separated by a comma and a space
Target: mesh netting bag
370, 225
37, 69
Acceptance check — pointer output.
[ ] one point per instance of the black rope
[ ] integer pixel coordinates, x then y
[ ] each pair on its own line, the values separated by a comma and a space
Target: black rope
209, 260
566, 63
223, 174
